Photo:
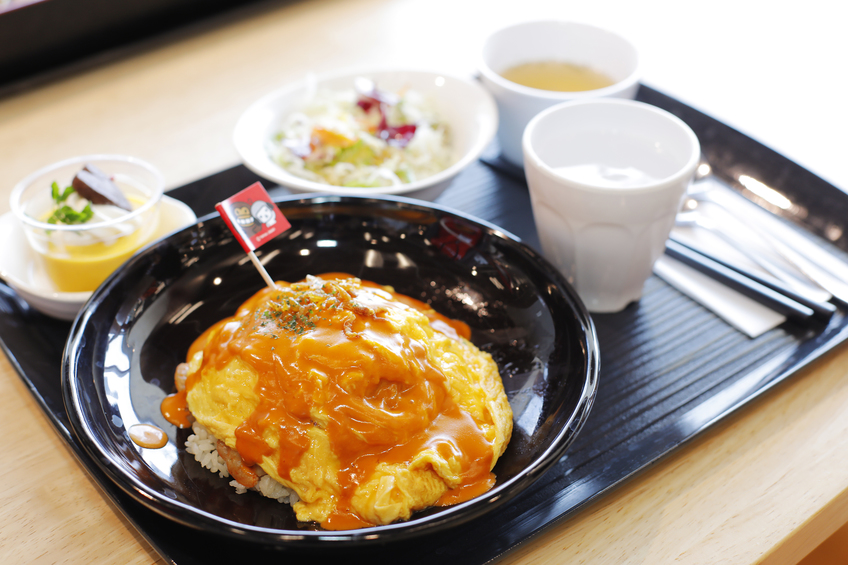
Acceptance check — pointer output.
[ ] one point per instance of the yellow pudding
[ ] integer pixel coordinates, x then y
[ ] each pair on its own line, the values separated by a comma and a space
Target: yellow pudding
79, 260
81, 268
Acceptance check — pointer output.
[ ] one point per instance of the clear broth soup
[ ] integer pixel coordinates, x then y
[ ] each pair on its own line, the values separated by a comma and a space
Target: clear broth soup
558, 76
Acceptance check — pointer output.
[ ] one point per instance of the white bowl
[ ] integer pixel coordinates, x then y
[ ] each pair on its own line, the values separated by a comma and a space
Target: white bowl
543, 41
22, 271
468, 109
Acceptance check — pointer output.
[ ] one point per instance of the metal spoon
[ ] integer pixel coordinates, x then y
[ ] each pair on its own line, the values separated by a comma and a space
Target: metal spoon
780, 243
803, 287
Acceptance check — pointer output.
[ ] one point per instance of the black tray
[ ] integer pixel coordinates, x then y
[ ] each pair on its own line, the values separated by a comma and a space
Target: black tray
669, 368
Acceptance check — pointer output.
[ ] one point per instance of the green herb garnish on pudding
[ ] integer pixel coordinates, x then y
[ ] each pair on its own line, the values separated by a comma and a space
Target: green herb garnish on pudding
67, 215
64, 214
59, 197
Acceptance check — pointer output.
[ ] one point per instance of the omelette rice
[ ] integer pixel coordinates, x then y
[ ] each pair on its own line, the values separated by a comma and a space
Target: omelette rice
367, 404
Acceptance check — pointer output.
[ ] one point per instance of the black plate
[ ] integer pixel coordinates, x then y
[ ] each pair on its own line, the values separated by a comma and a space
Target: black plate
137, 327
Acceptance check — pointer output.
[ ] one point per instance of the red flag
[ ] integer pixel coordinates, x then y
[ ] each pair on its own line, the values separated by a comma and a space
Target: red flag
252, 217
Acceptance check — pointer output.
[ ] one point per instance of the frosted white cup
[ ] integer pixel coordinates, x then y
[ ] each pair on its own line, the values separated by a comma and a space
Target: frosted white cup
606, 179
543, 41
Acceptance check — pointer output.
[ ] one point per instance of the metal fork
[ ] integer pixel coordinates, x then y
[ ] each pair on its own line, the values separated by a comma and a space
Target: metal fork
696, 219
815, 273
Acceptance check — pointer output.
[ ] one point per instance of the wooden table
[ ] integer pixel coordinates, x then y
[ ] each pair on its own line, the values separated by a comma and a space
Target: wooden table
764, 486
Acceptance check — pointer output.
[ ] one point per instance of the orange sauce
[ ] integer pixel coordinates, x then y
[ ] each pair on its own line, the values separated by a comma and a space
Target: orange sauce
391, 406
149, 436
175, 410
467, 491
440, 323
345, 521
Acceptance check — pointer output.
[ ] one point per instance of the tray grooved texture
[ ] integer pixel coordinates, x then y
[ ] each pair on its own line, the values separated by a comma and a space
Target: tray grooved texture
669, 369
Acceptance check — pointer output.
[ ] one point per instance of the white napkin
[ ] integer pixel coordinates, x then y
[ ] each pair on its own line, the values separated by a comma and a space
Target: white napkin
741, 312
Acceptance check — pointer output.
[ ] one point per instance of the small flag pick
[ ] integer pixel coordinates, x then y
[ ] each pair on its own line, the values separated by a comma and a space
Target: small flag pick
254, 220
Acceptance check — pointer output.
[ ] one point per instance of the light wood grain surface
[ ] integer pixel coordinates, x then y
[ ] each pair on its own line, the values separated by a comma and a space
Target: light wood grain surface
765, 486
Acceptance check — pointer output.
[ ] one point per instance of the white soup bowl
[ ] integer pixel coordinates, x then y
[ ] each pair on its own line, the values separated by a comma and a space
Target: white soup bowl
551, 41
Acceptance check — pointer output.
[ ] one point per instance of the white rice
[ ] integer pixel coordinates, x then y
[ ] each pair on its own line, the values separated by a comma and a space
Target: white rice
203, 446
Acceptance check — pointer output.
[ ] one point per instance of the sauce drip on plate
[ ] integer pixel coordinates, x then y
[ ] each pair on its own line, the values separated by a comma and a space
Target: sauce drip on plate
175, 410
148, 435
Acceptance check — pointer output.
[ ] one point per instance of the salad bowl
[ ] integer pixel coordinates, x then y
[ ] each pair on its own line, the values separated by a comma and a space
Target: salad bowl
465, 108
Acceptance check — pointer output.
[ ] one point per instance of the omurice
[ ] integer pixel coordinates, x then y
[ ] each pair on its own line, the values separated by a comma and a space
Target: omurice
353, 403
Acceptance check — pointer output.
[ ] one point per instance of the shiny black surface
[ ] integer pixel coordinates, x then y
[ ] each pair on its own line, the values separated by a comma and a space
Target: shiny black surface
138, 326
669, 368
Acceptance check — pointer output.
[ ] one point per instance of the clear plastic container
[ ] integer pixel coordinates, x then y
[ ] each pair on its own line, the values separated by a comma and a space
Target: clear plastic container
78, 257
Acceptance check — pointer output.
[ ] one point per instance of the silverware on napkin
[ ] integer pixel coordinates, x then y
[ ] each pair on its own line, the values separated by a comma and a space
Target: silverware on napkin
734, 235
808, 256
769, 292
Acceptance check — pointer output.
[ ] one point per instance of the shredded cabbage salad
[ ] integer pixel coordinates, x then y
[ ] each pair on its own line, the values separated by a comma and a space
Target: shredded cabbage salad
363, 137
